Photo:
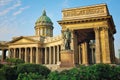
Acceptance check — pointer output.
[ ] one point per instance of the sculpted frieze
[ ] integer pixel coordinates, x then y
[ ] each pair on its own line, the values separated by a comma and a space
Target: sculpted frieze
82, 12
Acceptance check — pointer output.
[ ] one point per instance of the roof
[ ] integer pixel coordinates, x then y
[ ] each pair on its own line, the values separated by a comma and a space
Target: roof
44, 18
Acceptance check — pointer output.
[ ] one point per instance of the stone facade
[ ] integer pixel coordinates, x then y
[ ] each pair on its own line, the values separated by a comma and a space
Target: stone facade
92, 41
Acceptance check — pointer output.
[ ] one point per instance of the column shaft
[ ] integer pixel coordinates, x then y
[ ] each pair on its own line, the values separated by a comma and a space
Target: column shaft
58, 54
107, 47
37, 56
31, 55
84, 53
49, 55
54, 55
26, 60
97, 45
45, 55
19, 53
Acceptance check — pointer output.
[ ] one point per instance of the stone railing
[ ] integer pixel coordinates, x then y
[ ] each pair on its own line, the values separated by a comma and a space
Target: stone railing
52, 39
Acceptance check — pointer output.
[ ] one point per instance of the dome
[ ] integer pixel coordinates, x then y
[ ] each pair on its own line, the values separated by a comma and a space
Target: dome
44, 18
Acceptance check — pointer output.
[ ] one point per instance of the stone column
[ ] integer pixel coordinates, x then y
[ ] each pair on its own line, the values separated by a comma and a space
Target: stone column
9, 53
72, 40
84, 53
93, 56
79, 47
37, 56
19, 53
58, 54
97, 45
49, 55
46, 55
31, 55
14, 53
26, 60
3, 55
106, 44
54, 55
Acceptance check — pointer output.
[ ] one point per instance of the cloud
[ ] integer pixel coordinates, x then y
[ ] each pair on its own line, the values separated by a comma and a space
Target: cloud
65, 3
5, 2
20, 10
7, 10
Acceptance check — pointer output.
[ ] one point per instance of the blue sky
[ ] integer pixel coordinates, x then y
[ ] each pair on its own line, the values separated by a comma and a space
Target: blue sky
17, 17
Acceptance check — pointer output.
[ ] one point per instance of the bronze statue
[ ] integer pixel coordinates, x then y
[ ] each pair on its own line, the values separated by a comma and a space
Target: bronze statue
67, 39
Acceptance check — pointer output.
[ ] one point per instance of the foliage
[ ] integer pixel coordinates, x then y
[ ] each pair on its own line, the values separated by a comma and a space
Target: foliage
33, 68
1, 65
30, 76
10, 72
14, 61
53, 75
2, 76
94, 72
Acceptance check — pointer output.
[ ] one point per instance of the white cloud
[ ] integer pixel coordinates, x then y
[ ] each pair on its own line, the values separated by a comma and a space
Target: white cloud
7, 10
20, 10
65, 4
4, 2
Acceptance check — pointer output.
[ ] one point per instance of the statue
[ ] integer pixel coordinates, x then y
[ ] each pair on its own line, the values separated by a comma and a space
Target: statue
67, 39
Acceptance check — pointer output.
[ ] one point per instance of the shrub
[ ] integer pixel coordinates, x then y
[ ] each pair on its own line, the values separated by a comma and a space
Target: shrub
33, 68
2, 76
10, 72
53, 76
30, 76
15, 61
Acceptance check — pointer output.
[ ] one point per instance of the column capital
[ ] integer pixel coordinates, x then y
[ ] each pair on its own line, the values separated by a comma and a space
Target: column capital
105, 28
96, 29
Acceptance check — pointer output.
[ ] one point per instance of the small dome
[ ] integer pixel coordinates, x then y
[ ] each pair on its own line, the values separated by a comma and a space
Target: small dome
44, 18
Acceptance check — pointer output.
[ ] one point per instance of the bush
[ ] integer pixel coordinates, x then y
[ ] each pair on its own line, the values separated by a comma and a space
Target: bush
53, 76
15, 61
1, 65
10, 72
33, 68
2, 76
30, 76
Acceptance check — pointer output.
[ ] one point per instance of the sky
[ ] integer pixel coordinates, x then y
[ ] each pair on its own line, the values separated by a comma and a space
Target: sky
18, 17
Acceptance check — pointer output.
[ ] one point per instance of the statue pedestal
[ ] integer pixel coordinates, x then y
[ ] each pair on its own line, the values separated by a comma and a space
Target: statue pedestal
67, 58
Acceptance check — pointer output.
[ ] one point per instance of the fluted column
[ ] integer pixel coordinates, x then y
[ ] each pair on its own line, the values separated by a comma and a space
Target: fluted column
72, 40
37, 56
31, 55
58, 54
84, 53
3, 55
19, 53
97, 45
93, 56
79, 54
46, 55
107, 45
26, 60
54, 55
14, 53
9, 53
49, 55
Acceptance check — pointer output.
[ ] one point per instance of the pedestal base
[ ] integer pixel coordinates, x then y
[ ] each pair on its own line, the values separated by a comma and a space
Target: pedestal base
67, 58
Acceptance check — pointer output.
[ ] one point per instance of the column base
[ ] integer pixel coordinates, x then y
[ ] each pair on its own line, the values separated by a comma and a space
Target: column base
67, 58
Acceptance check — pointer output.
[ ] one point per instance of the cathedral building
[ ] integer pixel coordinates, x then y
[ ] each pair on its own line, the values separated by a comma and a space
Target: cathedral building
91, 39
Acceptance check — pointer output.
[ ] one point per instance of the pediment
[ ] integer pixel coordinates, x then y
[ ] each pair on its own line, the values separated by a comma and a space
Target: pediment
22, 40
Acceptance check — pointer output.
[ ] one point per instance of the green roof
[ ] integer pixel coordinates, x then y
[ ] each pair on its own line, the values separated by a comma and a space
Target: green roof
44, 18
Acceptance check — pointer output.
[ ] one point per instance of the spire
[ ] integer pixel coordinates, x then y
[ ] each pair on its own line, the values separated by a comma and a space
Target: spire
44, 13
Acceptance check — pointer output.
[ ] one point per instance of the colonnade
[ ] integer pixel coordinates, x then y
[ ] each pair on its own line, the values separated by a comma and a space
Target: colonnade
46, 55
101, 52
86, 53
